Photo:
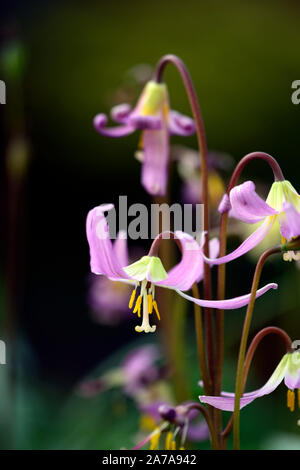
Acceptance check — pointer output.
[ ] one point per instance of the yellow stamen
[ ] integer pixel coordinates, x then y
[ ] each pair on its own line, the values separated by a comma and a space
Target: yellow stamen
291, 399
156, 309
283, 240
150, 303
298, 394
181, 448
132, 298
141, 142
154, 441
168, 442
138, 304
173, 445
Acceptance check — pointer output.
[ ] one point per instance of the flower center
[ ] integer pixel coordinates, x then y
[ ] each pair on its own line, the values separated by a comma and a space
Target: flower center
145, 300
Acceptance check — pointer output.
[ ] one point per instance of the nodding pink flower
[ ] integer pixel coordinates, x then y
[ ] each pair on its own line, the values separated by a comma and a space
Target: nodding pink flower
288, 370
148, 273
152, 115
137, 371
280, 212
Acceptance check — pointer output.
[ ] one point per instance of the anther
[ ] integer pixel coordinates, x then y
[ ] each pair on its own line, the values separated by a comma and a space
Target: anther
291, 399
156, 309
132, 298
150, 303
138, 304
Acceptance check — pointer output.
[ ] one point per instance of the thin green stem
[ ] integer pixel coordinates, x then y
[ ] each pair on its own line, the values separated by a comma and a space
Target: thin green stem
243, 344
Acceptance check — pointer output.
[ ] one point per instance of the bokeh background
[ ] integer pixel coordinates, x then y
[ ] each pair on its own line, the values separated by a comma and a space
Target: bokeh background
63, 62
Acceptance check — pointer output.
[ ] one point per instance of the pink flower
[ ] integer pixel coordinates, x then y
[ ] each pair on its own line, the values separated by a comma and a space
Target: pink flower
148, 273
154, 118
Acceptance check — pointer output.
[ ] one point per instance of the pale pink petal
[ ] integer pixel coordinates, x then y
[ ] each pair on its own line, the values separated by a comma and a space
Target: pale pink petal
247, 205
226, 400
253, 240
289, 221
156, 161
180, 124
228, 304
103, 258
120, 248
100, 122
188, 270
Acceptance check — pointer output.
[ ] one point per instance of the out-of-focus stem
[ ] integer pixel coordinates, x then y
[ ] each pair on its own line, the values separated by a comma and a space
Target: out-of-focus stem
204, 411
243, 344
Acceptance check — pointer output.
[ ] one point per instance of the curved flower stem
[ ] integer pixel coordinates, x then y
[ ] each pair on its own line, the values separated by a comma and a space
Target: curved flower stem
193, 100
278, 175
248, 360
204, 411
243, 344
222, 267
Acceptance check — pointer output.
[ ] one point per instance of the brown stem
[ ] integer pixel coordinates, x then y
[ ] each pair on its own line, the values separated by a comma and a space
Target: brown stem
193, 100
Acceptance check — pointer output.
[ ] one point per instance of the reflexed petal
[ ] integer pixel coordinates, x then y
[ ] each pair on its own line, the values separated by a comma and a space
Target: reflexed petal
100, 122
289, 221
226, 401
228, 304
253, 240
180, 124
120, 113
224, 205
247, 206
188, 270
120, 248
103, 258
156, 161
